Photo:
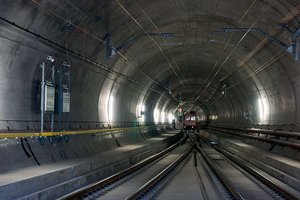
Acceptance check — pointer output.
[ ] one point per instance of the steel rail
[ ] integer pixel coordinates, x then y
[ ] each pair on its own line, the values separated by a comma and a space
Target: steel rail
90, 188
151, 183
282, 191
264, 131
227, 183
263, 139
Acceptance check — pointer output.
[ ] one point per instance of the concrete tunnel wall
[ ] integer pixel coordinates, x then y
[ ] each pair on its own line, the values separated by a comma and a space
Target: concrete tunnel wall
274, 86
21, 55
262, 78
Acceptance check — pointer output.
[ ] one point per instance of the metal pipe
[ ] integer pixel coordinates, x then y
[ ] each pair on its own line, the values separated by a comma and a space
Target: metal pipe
60, 98
264, 131
42, 97
53, 82
263, 139
69, 90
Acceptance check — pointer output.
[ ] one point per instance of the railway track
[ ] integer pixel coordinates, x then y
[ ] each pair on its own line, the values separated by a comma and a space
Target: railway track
193, 170
201, 183
125, 184
241, 180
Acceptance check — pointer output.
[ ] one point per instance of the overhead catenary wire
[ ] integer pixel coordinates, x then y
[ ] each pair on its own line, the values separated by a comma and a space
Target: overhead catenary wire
222, 64
78, 27
231, 51
262, 67
265, 65
228, 56
74, 25
292, 14
78, 56
156, 27
159, 47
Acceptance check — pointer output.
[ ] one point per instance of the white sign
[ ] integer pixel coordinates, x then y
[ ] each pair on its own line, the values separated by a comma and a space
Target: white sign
49, 98
66, 102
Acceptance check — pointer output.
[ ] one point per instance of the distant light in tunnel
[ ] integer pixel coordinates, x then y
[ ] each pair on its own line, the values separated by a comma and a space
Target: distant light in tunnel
263, 109
214, 117
163, 115
141, 112
110, 108
171, 117
156, 115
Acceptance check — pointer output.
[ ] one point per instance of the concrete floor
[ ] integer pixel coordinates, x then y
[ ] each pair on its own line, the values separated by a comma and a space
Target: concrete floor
55, 179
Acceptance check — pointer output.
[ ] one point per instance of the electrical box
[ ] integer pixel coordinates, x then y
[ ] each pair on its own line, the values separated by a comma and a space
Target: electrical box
49, 98
66, 102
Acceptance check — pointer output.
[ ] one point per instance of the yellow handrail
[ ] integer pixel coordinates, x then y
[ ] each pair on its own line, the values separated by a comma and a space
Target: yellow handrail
61, 133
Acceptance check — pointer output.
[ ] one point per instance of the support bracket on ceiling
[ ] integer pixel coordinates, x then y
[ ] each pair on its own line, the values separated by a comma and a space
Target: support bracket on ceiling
108, 47
137, 37
111, 51
295, 44
271, 38
291, 48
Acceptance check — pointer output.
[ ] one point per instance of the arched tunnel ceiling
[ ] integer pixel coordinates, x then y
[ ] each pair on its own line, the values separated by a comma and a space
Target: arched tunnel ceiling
195, 60
199, 46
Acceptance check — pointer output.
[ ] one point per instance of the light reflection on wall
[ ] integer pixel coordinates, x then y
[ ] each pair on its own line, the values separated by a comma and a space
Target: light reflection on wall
213, 117
171, 117
263, 109
110, 108
163, 116
140, 113
156, 115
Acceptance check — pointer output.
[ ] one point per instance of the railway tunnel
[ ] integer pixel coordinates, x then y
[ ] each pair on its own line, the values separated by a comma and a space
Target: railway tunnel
91, 88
